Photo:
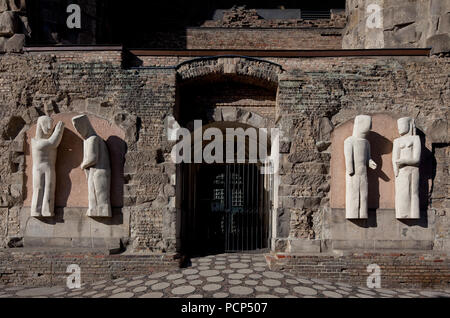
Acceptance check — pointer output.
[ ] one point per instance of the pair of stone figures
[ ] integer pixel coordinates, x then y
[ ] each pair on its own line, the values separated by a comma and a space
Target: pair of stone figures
405, 159
95, 164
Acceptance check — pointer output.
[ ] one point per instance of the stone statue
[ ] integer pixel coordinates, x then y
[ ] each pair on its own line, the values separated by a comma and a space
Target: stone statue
97, 167
44, 148
406, 159
357, 157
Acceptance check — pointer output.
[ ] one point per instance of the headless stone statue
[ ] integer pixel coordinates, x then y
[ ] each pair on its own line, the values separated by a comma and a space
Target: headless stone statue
406, 159
97, 167
44, 148
357, 158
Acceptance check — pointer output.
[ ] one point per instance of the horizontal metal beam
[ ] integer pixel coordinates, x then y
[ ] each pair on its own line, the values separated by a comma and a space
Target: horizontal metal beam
252, 53
283, 53
57, 48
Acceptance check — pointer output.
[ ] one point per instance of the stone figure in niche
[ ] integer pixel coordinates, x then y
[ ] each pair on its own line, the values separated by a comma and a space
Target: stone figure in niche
406, 159
44, 148
96, 166
357, 158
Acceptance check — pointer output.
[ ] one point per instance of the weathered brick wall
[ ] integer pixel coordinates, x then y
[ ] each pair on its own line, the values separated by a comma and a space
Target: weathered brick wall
34, 84
316, 95
264, 39
313, 96
48, 267
407, 270
398, 24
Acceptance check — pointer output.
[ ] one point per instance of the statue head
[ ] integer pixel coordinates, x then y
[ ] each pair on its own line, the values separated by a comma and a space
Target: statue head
44, 127
83, 126
362, 125
406, 126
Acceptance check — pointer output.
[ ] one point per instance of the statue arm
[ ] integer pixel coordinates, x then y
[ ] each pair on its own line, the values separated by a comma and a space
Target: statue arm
348, 154
417, 150
56, 137
395, 156
91, 149
372, 164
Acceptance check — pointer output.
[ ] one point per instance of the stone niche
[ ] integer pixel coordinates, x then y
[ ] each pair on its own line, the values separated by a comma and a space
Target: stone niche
381, 230
70, 226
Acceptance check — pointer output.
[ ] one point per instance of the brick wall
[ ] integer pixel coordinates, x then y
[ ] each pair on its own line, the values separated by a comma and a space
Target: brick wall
48, 267
312, 93
407, 270
263, 39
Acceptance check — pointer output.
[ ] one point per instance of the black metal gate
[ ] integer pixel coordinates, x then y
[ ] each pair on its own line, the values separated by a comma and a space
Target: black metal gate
228, 213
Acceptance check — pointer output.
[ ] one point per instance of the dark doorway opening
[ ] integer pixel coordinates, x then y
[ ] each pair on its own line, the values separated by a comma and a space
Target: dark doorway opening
224, 209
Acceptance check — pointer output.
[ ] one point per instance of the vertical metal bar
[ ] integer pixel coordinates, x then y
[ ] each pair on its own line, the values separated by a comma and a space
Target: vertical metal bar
257, 209
241, 212
261, 210
233, 219
225, 206
247, 205
251, 209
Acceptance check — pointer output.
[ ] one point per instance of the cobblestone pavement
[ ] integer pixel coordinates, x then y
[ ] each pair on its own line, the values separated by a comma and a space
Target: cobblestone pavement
219, 276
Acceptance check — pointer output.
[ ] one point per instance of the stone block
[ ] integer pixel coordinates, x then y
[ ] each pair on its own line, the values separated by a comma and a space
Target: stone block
17, 5
303, 246
439, 131
2, 43
93, 105
407, 34
15, 43
16, 190
9, 23
26, 29
3, 5
256, 120
283, 222
217, 115
444, 23
439, 43
229, 114
70, 227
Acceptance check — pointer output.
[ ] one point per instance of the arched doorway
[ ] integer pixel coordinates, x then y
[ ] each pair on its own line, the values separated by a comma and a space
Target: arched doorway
225, 207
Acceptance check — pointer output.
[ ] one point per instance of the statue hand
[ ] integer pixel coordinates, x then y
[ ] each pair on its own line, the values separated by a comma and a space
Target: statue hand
400, 162
60, 125
372, 164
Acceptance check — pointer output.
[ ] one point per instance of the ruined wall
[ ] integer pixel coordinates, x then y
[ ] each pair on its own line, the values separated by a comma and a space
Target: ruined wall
94, 83
313, 96
242, 28
404, 23
319, 94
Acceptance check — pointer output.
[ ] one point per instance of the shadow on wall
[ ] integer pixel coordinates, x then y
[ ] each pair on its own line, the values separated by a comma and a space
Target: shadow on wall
70, 156
379, 146
371, 220
381, 180
71, 183
117, 148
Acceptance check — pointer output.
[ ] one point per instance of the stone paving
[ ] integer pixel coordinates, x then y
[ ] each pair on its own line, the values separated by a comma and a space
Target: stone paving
219, 276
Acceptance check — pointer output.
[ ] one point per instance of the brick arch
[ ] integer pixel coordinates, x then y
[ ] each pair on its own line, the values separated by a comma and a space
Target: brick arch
253, 70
